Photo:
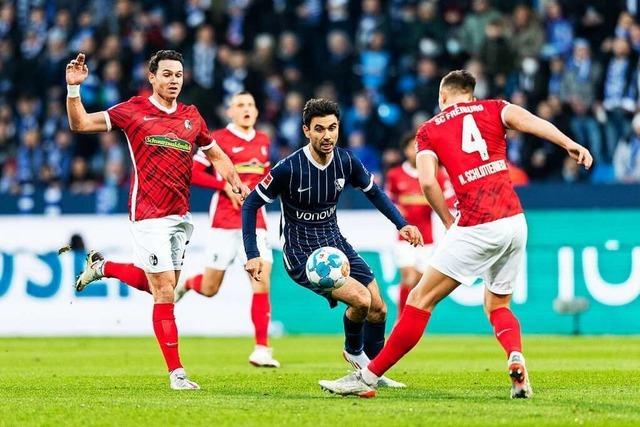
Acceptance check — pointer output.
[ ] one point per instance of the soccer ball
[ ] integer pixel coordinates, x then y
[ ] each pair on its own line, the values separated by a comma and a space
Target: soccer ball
327, 268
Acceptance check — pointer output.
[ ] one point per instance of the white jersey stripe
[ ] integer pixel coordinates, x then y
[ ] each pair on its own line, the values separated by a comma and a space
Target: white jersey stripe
134, 188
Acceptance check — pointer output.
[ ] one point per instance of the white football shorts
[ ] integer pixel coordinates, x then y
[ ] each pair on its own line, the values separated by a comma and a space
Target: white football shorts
493, 251
159, 244
225, 245
408, 256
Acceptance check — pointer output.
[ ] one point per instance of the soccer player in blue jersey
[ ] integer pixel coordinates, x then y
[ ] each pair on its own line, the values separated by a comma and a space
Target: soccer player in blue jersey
309, 183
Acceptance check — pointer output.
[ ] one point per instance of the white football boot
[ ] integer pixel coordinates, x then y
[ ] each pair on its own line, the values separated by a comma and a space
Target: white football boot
262, 357
179, 380
520, 385
361, 361
179, 291
92, 270
349, 385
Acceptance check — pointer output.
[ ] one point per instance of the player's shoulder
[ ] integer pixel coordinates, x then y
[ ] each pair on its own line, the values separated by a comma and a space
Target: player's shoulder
134, 101
344, 155
285, 164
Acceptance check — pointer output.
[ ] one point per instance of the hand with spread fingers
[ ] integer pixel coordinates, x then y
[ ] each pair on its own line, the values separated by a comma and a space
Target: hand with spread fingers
411, 234
77, 71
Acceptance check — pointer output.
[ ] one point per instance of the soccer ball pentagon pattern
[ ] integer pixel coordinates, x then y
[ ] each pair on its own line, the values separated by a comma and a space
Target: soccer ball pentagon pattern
327, 268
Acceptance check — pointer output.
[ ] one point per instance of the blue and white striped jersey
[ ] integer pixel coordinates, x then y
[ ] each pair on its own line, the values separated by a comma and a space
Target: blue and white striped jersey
309, 193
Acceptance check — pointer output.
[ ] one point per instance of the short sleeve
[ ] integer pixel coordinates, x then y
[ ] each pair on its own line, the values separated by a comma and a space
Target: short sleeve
499, 106
119, 116
424, 144
201, 158
204, 139
360, 177
274, 183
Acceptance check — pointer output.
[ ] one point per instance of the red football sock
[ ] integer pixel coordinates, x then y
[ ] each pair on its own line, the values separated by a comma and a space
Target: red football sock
194, 283
164, 326
403, 338
507, 329
260, 315
402, 297
127, 273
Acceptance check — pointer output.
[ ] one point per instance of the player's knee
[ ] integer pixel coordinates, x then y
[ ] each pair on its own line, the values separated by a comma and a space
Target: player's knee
362, 302
209, 289
163, 293
377, 314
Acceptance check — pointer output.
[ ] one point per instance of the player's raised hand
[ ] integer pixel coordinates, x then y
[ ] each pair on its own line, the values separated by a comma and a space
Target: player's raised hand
77, 71
580, 154
411, 234
254, 268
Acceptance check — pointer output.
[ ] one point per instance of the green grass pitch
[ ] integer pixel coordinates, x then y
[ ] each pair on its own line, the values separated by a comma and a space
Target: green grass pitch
453, 380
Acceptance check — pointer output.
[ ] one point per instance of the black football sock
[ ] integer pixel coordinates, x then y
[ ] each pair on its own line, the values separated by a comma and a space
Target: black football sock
373, 338
353, 335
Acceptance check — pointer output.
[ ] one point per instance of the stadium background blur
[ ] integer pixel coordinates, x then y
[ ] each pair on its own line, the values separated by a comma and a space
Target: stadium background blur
575, 63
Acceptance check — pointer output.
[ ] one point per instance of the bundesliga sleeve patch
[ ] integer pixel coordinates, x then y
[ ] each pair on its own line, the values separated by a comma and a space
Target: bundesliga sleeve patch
267, 180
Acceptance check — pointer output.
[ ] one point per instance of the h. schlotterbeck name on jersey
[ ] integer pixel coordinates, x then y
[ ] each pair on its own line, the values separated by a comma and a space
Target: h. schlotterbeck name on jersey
482, 171
315, 216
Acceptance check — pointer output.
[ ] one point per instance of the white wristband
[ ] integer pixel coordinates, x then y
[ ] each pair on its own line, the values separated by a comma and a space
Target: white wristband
73, 91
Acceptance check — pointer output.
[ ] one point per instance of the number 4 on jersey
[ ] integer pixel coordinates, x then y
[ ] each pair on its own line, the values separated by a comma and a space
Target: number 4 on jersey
472, 141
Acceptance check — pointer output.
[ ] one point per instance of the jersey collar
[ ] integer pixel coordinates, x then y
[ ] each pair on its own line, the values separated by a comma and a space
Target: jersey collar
307, 152
163, 108
409, 170
247, 136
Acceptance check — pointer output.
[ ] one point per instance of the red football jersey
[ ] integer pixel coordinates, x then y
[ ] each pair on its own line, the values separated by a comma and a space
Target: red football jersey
250, 156
404, 189
161, 143
469, 141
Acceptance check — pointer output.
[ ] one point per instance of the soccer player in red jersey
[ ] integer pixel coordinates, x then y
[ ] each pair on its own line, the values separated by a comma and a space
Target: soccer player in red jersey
248, 149
488, 238
161, 134
404, 189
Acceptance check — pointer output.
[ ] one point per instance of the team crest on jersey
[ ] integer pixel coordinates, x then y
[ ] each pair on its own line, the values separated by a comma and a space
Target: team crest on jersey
267, 180
153, 259
187, 124
340, 184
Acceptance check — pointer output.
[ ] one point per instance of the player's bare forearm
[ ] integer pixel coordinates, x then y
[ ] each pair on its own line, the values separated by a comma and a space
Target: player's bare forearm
518, 118
223, 165
82, 122
427, 175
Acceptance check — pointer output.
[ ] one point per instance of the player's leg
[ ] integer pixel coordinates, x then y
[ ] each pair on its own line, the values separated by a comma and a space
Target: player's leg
433, 286
500, 280
262, 355
358, 300
405, 255
162, 284
96, 268
222, 246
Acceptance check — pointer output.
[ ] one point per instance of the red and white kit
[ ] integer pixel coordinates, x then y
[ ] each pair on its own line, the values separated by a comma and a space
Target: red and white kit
161, 143
404, 189
249, 153
490, 235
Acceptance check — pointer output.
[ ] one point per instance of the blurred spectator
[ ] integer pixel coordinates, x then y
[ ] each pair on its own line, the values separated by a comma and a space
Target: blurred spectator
626, 159
82, 180
374, 65
495, 53
472, 32
369, 157
372, 20
619, 96
527, 35
290, 125
427, 85
60, 155
340, 64
30, 157
558, 30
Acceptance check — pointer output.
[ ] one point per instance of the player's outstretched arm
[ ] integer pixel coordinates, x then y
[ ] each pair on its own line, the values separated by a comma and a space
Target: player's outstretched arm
516, 117
249, 213
223, 165
428, 177
79, 120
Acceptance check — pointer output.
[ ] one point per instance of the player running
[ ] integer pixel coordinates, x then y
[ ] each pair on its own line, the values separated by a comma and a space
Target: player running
489, 237
404, 189
161, 134
309, 183
248, 149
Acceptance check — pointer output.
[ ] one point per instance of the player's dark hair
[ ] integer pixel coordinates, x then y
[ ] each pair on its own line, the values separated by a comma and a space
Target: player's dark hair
460, 81
319, 107
407, 139
163, 54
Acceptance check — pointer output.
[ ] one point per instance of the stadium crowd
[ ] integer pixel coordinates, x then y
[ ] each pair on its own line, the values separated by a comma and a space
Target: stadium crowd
573, 62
